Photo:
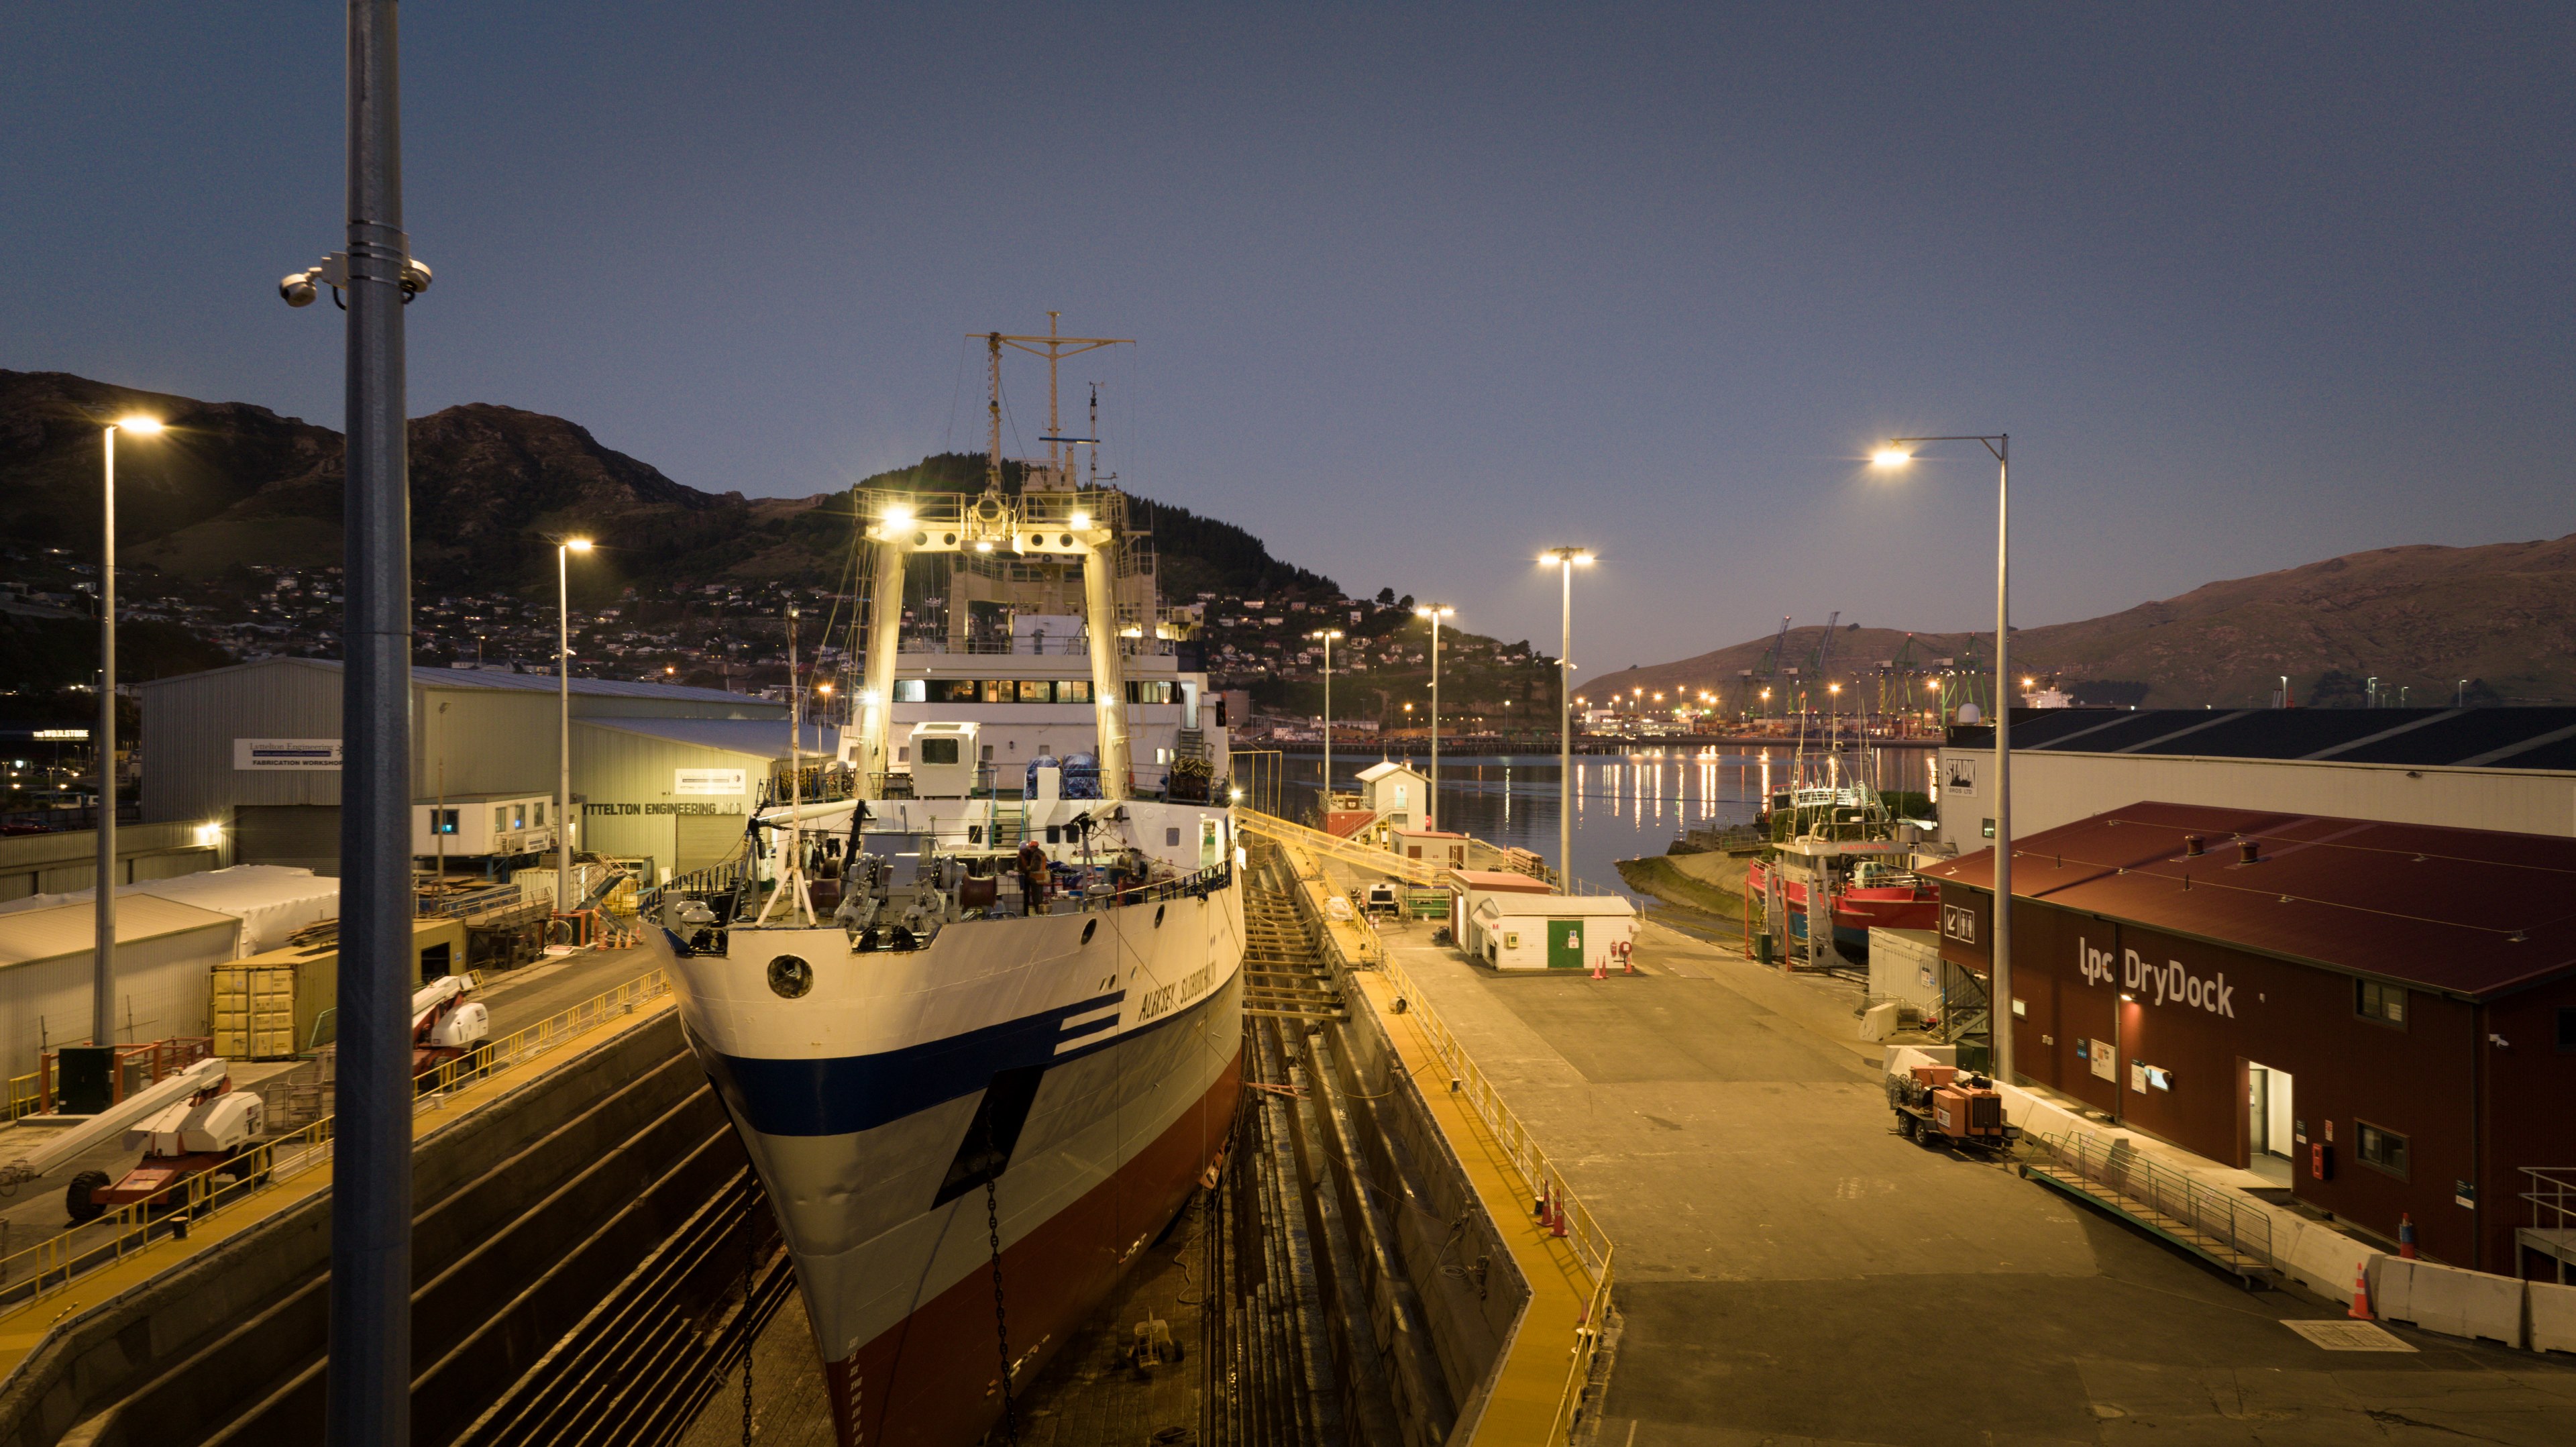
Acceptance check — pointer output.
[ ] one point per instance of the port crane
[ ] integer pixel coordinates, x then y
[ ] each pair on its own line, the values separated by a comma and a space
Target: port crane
1768, 669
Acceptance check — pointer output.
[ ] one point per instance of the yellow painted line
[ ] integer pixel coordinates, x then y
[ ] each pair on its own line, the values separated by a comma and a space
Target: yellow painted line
1529, 1384
23, 1331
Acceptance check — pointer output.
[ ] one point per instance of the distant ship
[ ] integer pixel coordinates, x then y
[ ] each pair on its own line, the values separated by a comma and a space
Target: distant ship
973, 1100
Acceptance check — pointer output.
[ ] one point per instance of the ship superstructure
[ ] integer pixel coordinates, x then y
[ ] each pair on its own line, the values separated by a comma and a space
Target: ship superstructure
976, 1011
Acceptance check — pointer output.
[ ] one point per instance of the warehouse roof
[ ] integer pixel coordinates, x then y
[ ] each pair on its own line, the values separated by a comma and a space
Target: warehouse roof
759, 737
2501, 738
472, 678
72, 929
2470, 912
272, 901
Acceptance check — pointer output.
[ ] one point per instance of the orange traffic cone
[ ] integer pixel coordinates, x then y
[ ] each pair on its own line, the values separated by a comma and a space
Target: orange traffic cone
1600, 967
2361, 1293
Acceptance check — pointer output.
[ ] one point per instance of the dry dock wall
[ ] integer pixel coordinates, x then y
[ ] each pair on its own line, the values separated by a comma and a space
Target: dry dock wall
199, 1346
1471, 1290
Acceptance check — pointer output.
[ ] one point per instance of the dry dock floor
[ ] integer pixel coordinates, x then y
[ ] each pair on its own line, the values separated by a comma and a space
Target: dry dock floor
1792, 1272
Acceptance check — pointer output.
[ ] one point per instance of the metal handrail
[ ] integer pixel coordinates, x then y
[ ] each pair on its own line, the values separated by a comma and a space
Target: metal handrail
2241, 1226
60, 1261
2553, 1189
1587, 1347
1384, 861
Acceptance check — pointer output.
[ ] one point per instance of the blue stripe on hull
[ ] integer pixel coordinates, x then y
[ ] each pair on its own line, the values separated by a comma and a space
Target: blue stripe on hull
850, 1093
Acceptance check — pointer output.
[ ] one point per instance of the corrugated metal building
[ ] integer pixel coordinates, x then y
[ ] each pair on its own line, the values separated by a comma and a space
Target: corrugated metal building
255, 746
2480, 768
677, 790
2384, 1012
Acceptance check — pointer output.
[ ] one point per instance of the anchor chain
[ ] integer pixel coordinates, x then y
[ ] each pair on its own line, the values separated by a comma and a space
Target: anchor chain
1001, 1325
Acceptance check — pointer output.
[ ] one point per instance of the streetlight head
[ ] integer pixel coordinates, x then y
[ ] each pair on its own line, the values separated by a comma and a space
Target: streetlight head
1890, 456
578, 545
139, 424
822, 688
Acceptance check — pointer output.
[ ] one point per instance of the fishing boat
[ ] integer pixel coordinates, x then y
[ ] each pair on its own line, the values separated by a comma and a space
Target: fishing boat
976, 1012
1844, 833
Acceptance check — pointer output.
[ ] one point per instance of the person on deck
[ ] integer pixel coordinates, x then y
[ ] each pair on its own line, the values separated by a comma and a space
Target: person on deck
1033, 877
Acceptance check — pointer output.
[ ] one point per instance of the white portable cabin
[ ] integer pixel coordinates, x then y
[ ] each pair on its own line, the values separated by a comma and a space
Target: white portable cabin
484, 825
945, 757
1553, 931
1396, 793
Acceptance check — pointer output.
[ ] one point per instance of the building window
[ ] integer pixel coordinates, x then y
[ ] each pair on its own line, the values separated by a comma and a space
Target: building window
951, 690
997, 690
1073, 690
1990, 829
910, 690
2383, 1150
446, 824
2380, 1004
1036, 690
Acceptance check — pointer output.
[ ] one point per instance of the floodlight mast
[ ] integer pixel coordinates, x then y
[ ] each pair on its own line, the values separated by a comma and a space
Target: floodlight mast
1999, 1005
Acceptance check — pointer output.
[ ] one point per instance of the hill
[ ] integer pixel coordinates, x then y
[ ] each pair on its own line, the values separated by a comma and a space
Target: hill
231, 484
2420, 618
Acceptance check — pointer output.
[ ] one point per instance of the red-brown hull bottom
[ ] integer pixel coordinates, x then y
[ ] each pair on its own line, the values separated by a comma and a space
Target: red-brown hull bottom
930, 1381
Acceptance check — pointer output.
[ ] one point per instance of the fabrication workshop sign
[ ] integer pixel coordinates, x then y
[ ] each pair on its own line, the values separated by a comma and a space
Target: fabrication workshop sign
286, 754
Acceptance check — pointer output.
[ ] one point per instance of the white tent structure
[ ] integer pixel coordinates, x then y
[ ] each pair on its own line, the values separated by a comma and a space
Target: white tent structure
272, 901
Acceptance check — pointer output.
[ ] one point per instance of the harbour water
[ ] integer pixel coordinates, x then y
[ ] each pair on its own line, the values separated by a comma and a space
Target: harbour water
1625, 804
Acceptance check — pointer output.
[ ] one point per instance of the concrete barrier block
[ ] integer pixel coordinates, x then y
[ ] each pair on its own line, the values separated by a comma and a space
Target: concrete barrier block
2460, 1303
2552, 1309
1879, 1020
2392, 1288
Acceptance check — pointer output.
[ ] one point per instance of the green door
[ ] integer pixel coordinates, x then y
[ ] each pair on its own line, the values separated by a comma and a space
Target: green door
1565, 944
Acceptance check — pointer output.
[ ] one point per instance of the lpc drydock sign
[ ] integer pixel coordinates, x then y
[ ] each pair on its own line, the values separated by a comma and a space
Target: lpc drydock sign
286, 753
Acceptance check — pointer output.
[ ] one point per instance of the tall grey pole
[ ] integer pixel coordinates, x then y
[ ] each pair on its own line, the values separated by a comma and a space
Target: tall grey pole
1431, 815
2001, 1008
1327, 820
369, 1383
1565, 730
563, 731
102, 1007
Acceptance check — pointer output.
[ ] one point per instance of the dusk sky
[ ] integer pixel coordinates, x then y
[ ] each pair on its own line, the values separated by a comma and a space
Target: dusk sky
1419, 290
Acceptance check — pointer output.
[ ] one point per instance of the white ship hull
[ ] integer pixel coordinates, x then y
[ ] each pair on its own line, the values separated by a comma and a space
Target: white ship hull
1114, 1034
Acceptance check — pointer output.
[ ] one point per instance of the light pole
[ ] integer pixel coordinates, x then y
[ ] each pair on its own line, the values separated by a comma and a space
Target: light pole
563, 720
1896, 454
1326, 636
1435, 612
1565, 561
102, 1008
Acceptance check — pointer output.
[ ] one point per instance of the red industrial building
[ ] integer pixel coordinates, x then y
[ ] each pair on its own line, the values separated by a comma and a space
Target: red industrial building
2385, 1013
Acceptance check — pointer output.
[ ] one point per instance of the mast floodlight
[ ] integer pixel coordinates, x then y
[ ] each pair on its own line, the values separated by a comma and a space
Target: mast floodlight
1890, 457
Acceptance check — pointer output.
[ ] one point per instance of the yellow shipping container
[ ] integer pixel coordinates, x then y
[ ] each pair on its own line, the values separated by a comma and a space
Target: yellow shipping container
281, 1004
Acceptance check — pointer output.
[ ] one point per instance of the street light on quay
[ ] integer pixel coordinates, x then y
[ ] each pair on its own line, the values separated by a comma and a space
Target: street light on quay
564, 548
102, 1010
1899, 452
1565, 561
1326, 637
1435, 612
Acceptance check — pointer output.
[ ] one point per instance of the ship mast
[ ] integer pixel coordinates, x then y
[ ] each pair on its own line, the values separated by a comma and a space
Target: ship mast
1055, 347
